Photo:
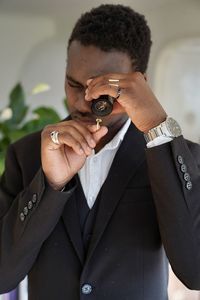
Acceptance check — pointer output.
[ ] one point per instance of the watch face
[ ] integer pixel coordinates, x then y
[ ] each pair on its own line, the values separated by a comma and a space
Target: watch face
173, 127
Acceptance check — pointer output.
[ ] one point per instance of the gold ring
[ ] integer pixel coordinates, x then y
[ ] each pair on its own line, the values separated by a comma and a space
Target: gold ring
113, 82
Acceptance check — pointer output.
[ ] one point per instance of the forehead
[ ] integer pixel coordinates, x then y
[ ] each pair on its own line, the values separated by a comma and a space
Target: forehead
85, 62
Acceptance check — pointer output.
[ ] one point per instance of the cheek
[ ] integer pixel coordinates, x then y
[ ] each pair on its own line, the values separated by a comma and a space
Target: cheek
71, 98
75, 97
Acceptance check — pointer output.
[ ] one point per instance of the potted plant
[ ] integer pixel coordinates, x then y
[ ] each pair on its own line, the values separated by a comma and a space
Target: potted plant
18, 119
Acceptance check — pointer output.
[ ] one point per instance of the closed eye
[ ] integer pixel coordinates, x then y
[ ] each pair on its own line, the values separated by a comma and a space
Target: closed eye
74, 85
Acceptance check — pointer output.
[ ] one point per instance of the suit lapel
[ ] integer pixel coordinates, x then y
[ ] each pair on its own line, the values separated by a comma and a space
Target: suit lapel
128, 158
72, 223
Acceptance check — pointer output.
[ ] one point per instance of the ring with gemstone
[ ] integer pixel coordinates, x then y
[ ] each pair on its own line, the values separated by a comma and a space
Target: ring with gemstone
54, 137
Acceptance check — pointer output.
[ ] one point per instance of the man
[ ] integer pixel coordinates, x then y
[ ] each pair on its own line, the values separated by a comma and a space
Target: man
91, 216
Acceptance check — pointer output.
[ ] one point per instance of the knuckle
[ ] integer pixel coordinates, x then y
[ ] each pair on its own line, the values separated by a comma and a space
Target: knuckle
47, 130
66, 135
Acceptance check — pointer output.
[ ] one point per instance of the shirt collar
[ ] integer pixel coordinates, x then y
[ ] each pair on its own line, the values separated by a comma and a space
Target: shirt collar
117, 139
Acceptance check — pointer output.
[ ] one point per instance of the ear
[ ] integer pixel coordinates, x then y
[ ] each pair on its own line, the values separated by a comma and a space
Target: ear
145, 76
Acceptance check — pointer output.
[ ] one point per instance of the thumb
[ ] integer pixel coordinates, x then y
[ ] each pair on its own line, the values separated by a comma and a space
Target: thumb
98, 133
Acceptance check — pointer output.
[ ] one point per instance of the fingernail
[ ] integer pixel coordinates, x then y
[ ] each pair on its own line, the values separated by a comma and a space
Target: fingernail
88, 81
86, 94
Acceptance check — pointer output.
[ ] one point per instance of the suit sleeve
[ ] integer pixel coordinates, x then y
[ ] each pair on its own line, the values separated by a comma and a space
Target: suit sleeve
27, 217
174, 171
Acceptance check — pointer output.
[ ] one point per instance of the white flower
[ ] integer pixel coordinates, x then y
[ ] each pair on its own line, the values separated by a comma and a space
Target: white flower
36, 116
40, 88
6, 114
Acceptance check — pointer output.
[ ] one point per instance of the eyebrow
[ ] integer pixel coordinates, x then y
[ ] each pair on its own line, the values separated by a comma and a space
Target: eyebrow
73, 80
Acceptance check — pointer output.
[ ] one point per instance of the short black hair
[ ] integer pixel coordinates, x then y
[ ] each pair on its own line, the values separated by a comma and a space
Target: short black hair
115, 27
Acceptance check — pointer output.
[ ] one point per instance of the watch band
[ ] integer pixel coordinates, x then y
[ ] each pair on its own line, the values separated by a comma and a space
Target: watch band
169, 128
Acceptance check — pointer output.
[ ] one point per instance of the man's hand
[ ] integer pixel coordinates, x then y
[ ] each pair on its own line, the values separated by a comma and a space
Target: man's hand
136, 98
61, 162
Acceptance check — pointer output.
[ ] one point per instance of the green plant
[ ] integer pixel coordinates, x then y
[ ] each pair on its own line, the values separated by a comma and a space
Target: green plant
18, 120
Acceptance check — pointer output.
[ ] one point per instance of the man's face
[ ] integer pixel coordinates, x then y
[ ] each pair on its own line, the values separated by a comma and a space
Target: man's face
86, 62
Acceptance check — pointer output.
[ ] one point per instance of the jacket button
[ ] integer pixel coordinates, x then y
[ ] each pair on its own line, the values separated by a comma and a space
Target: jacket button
30, 204
186, 177
183, 168
22, 217
86, 289
180, 159
34, 198
25, 210
189, 185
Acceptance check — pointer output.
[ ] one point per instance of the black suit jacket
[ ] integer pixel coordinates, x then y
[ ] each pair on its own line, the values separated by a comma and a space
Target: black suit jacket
145, 203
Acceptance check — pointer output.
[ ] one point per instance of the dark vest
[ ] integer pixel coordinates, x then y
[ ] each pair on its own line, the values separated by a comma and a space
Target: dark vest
86, 215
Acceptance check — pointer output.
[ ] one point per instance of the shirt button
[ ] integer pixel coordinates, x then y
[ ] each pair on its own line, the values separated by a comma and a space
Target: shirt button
86, 289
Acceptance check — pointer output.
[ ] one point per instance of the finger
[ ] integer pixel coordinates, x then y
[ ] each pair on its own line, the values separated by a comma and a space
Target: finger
98, 133
75, 142
75, 129
105, 79
94, 128
106, 89
70, 136
78, 134
102, 81
83, 130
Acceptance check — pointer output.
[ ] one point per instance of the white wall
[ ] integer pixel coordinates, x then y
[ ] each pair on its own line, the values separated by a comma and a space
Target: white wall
33, 45
33, 41
19, 34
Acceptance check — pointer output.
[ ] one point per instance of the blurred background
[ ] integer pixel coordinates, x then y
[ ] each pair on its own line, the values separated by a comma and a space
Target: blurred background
33, 40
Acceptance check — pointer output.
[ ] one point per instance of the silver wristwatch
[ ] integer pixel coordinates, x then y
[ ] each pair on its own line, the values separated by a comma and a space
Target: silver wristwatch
168, 128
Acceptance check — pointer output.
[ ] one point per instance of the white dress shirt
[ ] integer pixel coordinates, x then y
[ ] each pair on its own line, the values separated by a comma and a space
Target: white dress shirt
95, 170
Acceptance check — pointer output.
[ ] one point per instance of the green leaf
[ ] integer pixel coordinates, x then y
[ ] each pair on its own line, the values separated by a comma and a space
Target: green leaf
5, 128
33, 125
17, 104
45, 116
4, 142
2, 162
15, 135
